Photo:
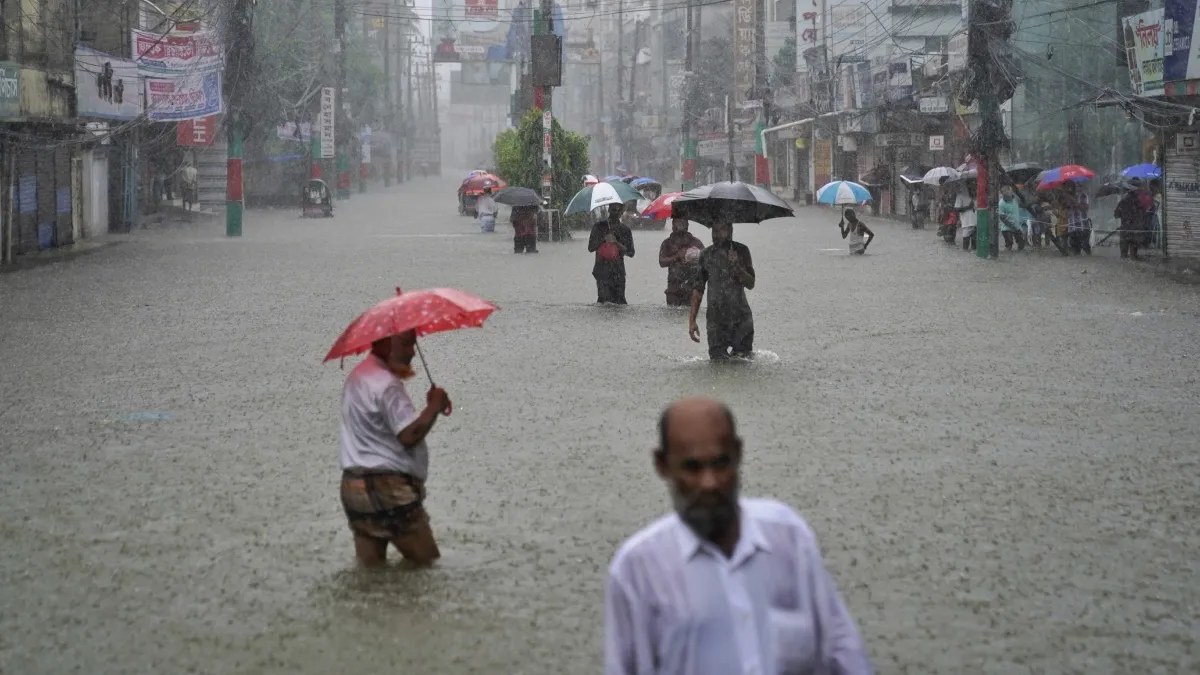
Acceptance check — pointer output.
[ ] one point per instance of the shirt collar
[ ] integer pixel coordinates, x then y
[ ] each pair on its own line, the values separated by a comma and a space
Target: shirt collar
750, 540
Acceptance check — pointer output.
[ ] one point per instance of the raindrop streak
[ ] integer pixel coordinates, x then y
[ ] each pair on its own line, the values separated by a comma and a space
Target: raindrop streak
146, 416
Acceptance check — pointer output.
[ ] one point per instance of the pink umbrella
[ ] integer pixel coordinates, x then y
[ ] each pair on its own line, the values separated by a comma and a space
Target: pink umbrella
1071, 173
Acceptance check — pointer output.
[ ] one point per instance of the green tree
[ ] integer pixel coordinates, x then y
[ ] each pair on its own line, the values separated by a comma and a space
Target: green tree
518, 157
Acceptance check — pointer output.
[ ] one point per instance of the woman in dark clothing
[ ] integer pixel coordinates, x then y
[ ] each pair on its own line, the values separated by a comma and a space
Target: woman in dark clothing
612, 242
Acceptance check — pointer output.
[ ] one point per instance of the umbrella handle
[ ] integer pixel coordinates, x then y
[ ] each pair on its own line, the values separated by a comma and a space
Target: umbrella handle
449, 408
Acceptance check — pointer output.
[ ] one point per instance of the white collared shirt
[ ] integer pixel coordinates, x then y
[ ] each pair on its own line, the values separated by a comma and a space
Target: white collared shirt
676, 605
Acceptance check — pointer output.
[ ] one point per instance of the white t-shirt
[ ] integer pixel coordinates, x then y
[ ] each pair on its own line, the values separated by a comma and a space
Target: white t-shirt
966, 219
375, 409
485, 205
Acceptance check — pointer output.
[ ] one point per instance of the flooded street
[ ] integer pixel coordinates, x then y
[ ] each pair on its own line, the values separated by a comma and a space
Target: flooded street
1000, 459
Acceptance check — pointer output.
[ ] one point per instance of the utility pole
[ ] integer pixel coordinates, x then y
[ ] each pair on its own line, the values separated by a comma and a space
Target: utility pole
689, 117
342, 125
389, 114
241, 67
989, 27
619, 117
729, 135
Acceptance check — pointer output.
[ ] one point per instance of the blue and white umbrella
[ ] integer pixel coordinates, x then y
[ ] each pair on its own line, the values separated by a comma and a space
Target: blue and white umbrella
843, 193
1143, 171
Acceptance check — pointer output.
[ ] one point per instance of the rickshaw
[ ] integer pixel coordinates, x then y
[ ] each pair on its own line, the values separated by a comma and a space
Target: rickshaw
316, 200
472, 187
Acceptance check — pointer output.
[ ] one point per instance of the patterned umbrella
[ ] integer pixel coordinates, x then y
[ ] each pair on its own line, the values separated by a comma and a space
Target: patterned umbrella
843, 193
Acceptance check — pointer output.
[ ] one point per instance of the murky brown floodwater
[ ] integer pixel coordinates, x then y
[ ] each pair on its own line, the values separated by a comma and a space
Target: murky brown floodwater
1000, 459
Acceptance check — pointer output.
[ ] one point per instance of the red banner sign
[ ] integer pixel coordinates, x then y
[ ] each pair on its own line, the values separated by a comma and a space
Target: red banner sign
196, 133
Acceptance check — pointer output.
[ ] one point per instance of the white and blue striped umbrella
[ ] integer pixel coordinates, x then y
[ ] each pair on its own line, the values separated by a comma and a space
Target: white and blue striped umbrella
843, 193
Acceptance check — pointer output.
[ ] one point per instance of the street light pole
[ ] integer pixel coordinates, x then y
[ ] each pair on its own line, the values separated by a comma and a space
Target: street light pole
342, 135
241, 64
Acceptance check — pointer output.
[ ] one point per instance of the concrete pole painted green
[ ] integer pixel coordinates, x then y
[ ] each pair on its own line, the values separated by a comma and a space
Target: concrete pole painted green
234, 200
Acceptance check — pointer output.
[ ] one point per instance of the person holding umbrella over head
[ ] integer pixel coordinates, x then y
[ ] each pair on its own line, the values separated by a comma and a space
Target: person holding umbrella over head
612, 242
727, 272
525, 205
485, 209
850, 226
384, 458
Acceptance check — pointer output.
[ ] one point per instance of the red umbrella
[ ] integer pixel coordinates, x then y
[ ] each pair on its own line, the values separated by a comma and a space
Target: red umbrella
660, 209
477, 183
429, 311
1071, 173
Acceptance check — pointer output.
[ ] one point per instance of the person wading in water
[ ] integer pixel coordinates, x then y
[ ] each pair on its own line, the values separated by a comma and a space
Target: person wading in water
727, 272
612, 242
680, 254
384, 457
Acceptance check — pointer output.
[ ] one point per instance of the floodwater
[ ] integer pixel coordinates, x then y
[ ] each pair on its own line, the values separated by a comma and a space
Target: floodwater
1000, 459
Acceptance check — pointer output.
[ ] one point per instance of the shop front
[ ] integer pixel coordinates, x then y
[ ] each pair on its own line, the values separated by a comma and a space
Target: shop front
1181, 195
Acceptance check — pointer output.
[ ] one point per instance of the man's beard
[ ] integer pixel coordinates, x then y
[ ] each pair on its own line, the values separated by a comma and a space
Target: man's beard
709, 520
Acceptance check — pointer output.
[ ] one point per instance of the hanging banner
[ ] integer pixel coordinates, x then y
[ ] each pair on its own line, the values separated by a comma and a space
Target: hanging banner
196, 133
158, 54
106, 87
290, 131
326, 121
1144, 40
173, 99
743, 50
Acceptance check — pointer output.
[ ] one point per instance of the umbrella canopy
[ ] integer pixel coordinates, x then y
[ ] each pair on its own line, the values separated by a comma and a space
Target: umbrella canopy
601, 194
609, 179
1071, 173
642, 182
843, 193
476, 172
1116, 187
1023, 173
429, 311
518, 196
1143, 171
729, 201
942, 174
480, 181
589, 179
660, 209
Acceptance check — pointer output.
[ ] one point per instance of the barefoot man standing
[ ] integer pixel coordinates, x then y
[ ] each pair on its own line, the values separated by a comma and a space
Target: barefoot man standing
384, 456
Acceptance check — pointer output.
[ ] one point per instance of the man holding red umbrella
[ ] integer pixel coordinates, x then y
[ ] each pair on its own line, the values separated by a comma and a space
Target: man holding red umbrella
384, 457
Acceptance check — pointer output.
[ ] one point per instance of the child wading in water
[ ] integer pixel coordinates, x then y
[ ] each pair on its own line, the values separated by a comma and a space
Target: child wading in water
854, 228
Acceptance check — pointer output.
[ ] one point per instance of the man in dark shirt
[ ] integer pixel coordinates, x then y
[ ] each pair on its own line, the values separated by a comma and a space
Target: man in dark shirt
676, 255
728, 272
612, 242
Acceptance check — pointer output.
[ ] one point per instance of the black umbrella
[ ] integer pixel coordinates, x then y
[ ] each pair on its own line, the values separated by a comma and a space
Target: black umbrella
1116, 187
731, 202
1023, 173
518, 196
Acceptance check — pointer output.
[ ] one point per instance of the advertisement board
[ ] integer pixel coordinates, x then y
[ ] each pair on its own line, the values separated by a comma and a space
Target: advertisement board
1144, 40
158, 54
743, 50
106, 87
325, 122
197, 133
482, 30
174, 99
1181, 55
10, 90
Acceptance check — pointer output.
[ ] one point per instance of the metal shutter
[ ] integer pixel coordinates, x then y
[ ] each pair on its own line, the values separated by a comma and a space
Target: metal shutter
1181, 197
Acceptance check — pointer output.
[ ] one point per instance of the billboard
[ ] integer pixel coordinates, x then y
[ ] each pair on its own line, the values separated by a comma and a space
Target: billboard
158, 54
106, 87
197, 133
10, 89
1144, 39
1181, 54
484, 30
174, 99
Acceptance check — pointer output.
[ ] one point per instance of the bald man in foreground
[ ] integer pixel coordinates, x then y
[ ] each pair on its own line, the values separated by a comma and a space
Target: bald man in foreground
725, 585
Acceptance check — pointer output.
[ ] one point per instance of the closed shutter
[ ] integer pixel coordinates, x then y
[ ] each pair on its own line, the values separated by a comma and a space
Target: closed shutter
25, 237
211, 172
46, 205
63, 230
1181, 197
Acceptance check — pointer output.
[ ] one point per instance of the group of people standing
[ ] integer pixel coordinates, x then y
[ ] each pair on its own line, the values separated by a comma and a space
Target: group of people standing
1061, 216
724, 270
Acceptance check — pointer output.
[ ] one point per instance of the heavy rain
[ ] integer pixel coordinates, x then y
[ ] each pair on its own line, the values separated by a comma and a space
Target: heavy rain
935, 256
